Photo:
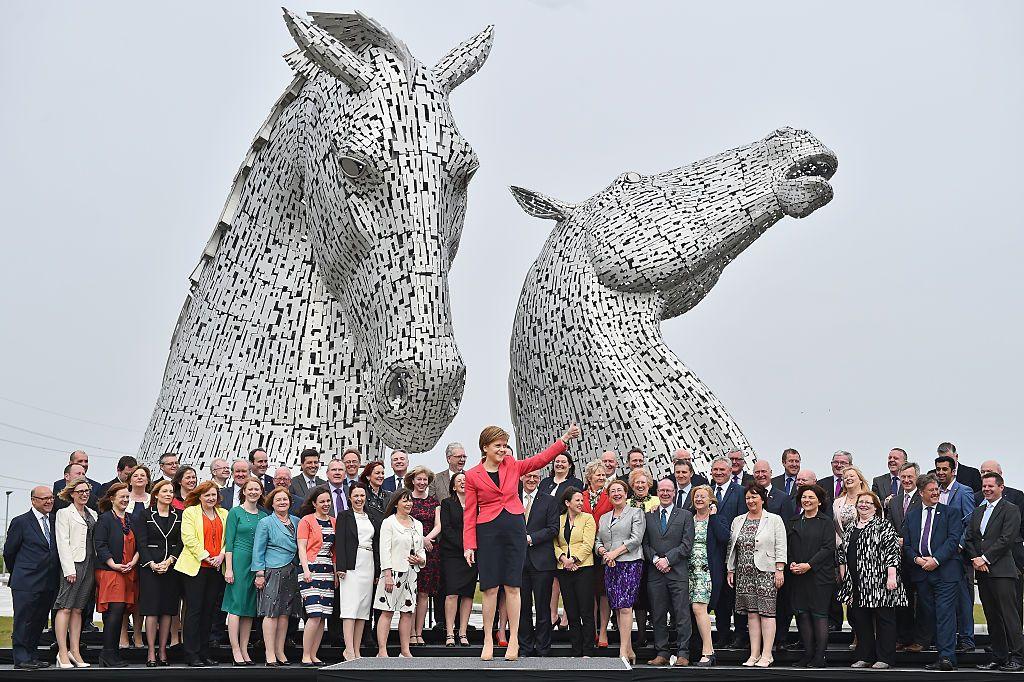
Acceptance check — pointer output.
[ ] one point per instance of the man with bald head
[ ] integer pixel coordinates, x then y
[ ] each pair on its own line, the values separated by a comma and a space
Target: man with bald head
779, 502
1015, 496
283, 479
79, 458
30, 557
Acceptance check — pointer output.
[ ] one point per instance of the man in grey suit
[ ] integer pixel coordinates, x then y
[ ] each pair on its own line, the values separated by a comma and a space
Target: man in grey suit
309, 462
911, 633
988, 543
668, 542
455, 454
887, 485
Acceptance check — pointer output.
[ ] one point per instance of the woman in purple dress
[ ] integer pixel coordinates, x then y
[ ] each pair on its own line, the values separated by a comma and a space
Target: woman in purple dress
427, 510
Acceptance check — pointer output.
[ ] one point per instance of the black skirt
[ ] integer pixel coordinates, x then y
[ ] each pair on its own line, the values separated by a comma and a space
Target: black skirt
159, 594
501, 550
459, 577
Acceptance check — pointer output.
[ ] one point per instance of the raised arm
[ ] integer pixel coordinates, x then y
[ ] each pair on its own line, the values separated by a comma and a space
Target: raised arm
543, 459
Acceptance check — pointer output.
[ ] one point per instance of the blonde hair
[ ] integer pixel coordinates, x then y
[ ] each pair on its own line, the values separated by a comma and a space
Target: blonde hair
707, 489
411, 475
864, 487
591, 469
66, 493
637, 473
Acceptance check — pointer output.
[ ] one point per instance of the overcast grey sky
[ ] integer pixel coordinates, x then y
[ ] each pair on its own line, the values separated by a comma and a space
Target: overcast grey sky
890, 317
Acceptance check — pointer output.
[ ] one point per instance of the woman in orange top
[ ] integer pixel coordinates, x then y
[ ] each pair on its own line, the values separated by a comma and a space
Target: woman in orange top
116, 577
495, 515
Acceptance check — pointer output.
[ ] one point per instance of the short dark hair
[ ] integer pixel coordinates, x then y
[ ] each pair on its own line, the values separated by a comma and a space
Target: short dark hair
758, 490
818, 491
571, 472
451, 482
176, 481
682, 463
309, 504
307, 453
634, 450
945, 459
396, 497
252, 454
924, 480
165, 456
945, 448
789, 451
992, 474
905, 455
567, 495
126, 461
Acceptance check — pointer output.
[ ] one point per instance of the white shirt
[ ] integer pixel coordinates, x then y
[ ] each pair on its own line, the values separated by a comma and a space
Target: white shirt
44, 525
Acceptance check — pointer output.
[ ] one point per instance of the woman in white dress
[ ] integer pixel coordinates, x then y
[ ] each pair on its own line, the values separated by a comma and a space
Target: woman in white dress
356, 561
401, 556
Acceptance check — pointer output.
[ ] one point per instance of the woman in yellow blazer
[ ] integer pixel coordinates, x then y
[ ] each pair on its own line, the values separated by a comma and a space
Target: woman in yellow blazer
201, 561
574, 550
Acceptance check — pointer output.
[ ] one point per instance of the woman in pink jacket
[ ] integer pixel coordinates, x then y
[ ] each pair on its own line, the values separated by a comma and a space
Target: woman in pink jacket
496, 519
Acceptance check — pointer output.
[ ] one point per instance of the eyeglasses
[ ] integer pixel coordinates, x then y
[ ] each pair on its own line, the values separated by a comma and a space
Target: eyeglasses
44, 499
81, 491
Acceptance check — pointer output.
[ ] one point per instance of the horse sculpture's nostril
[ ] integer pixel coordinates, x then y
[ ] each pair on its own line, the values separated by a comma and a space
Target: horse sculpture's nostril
397, 389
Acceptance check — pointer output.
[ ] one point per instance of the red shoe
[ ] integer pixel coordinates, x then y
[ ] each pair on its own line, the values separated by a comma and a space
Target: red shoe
602, 645
502, 642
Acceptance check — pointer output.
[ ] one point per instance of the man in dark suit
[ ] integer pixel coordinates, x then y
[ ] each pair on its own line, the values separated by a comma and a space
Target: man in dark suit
667, 544
931, 537
399, 465
960, 499
911, 635
729, 503
738, 460
1017, 497
167, 467
78, 458
682, 473
686, 456
309, 462
991, 533
30, 557
125, 466
967, 475
231, 494
833, 484
888, 484
539, 569
790, 470
634, 460
259, 462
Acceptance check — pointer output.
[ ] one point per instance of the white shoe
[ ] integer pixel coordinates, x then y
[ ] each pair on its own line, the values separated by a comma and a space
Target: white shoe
63, 666
77, 663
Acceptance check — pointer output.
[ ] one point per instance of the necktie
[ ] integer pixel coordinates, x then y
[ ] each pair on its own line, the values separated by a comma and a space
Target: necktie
718, 493
985, 517
339, 501
680, 496
529, 505
664, 519
895, 484
46, 531
906, 503
839, 486
789, 485
736, 479
926, 535
238, 497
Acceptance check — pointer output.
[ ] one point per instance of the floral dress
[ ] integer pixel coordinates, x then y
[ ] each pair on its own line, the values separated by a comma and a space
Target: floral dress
700, 574
429, 579
755, 590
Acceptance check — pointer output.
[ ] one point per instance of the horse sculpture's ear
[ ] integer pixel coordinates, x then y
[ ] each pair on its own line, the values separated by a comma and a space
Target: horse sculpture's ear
541, 206
327, 52
464, 60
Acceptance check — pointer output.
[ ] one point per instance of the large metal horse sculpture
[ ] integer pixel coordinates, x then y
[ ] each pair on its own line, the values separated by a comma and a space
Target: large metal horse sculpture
587, 343
318, 315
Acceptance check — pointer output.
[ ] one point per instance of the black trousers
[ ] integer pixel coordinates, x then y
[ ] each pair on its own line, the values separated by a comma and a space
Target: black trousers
200, 608
578, 596
1001, 612
783, 616
909, 625
535, 640
724, 615
1019, 600
30, 612
835, 613
876, 633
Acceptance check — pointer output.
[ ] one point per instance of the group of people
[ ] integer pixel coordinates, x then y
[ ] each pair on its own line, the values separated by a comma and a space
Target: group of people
901, 553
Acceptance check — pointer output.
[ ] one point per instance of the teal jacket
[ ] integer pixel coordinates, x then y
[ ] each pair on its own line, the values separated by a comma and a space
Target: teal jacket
274, 545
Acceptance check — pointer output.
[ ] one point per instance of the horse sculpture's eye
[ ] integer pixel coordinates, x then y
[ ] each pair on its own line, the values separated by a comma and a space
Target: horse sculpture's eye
352, 168
632, 177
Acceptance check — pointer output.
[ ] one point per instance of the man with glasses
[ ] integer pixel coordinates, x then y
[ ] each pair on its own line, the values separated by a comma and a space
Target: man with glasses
231, 494
220, 472
168, 465
737, 475
833, 485
30, 557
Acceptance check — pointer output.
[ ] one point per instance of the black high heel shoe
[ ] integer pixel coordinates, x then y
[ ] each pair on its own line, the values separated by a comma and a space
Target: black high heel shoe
712, 660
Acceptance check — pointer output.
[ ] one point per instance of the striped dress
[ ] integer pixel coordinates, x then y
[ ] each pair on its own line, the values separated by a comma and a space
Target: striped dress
318, 595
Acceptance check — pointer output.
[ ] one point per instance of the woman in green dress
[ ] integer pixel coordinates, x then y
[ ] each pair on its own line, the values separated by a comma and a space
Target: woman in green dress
240, 593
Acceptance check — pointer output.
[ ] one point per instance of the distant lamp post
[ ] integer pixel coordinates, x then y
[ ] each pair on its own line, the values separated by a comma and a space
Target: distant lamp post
7, 512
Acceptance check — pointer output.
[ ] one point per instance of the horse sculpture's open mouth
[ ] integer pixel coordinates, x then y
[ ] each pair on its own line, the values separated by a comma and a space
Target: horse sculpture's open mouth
804, 187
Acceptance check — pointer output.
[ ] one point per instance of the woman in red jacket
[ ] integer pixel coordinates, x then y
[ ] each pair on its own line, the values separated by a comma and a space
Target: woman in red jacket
495, 522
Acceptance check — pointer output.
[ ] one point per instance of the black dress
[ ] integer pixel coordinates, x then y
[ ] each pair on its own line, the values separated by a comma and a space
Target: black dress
158, 537
459, 577
811, 541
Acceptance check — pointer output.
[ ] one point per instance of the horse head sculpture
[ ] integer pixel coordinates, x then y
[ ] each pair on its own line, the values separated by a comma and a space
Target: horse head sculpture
384, 171
587, 343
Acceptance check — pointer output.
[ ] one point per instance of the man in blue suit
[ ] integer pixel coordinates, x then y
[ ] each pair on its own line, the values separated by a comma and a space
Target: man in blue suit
931, 538
730, 502
30, 555
960, 499
539, 569
399, 464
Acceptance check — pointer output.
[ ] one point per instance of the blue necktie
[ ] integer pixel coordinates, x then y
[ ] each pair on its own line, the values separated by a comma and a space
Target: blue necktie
895, 484
664, 519
789, 485
718, 494
985, 516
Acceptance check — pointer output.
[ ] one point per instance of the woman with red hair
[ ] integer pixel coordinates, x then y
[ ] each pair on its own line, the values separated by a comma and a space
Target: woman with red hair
495, 522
